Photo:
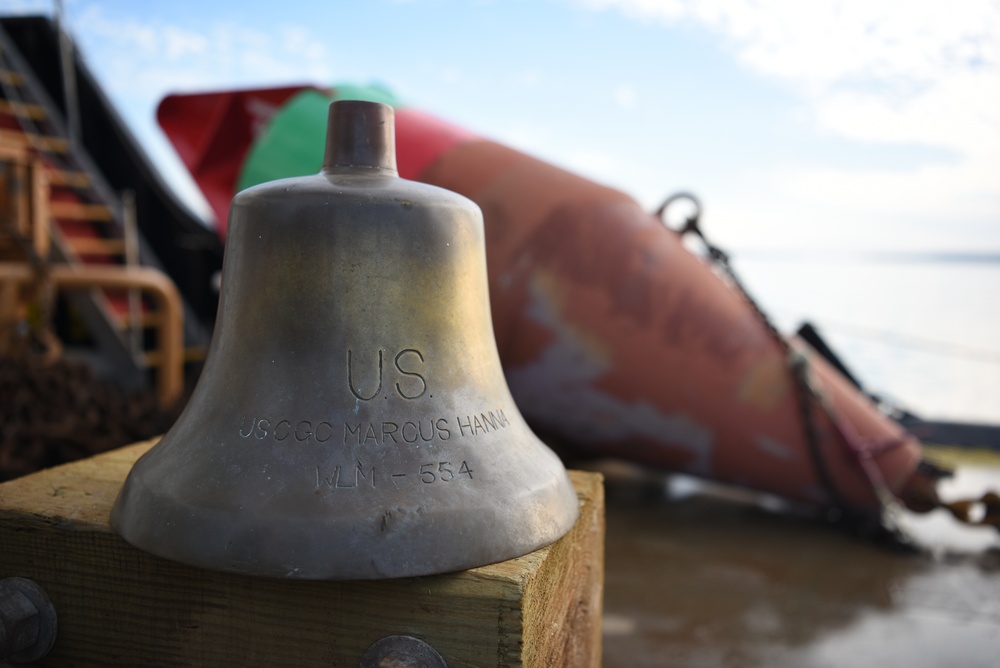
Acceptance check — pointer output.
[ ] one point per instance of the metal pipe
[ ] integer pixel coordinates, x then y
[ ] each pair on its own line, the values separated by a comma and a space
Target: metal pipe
131, 233
170, 338
68, 68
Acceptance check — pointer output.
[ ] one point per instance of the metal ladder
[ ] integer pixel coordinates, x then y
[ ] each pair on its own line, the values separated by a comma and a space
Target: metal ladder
88, 223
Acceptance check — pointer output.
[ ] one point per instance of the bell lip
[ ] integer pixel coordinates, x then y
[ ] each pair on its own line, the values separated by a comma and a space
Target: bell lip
132, 520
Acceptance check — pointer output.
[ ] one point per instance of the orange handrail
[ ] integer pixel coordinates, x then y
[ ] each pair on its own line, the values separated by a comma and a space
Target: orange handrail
170, 338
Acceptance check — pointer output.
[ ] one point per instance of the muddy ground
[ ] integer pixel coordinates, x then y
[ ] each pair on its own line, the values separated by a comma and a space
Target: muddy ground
59, 412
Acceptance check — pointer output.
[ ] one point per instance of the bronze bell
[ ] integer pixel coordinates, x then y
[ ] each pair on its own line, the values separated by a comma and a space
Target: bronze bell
352, 420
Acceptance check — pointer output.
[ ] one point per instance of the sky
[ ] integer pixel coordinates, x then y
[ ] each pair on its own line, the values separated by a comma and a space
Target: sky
869, 125
808, 129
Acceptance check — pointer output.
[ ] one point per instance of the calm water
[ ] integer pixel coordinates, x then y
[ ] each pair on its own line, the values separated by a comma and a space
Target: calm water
921, 330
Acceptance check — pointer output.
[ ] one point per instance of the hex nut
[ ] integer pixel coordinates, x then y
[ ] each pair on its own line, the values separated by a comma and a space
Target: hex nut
27, 621
401, 651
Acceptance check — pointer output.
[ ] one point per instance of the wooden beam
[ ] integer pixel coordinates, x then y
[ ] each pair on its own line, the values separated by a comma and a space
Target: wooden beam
32, 111
32, 141
78, 211
118, 605
39, 183
95, 246
11, 77
61, 177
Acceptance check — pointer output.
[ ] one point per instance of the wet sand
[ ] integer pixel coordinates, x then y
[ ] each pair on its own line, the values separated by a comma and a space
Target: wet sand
699, 578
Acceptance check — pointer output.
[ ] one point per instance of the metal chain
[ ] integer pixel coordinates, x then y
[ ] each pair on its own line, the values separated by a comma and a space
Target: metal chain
982, 511
806, 394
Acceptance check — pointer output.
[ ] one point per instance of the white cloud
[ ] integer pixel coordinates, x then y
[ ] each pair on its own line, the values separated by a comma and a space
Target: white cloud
875, 71
179, 43
827, 41
142, 61
960, 112
150, 58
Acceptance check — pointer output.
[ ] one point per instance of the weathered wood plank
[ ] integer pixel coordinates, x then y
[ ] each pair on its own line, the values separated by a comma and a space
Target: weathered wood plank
33, 141
80, 211
32, 111
118, 605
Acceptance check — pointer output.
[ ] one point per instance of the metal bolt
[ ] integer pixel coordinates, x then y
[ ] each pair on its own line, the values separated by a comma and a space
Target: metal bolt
401, 652
27, 621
